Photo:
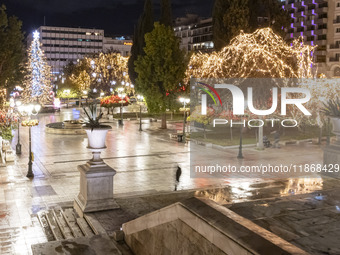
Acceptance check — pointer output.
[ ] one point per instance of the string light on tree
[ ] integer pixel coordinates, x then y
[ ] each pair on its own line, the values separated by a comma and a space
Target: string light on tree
261, 54
102, 72
37, 83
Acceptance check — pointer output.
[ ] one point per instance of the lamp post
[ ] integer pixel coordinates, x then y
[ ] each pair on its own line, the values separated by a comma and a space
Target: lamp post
18, 146
122, 96
184, 101
67, 92
140, 98
240, 155
85, 95
28, 110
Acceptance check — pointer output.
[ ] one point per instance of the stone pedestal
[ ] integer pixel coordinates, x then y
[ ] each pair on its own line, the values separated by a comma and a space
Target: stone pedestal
96, 187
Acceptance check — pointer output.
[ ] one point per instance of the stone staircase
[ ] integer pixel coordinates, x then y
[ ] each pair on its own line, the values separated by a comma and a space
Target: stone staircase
64, 229
60, 224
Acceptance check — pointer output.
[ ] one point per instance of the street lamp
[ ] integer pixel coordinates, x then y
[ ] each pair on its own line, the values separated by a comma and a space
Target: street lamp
140, 98
18, 146
84, 96
67, 92
240, 155
121, 95
28, 110
184, 101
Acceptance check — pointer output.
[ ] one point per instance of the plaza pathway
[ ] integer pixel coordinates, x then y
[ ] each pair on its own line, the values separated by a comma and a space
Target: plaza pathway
145, 163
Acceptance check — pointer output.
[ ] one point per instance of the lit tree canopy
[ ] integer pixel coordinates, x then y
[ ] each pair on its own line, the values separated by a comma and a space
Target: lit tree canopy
261, 54
37, 84
83, 80
104, 72
111, 69
254, 55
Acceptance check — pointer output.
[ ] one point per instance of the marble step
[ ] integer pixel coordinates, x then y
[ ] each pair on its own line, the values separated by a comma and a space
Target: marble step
64, 224
64, 228
45, 226
54, 226
95, 245
85, 228
94, 224
71, 221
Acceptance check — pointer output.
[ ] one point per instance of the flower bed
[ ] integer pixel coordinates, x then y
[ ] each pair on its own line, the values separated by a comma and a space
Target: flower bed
114, 101
8, 121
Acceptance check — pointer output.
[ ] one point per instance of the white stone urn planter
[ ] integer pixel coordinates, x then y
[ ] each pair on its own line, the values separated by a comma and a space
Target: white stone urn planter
96, 177
96, 140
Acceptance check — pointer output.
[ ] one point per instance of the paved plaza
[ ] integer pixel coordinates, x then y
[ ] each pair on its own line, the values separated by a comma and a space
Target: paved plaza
145, 163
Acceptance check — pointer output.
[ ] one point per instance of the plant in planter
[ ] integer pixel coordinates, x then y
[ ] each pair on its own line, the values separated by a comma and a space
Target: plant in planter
332, 110
96, 177
96, 132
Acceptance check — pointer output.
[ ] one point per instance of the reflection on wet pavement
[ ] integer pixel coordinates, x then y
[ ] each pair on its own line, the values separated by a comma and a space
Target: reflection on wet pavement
303, 211
145, 163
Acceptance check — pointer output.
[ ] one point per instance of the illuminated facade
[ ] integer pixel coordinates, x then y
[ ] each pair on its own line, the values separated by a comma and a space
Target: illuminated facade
318, 22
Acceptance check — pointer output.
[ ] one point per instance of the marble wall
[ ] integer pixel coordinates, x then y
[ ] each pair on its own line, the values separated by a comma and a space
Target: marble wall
171, 238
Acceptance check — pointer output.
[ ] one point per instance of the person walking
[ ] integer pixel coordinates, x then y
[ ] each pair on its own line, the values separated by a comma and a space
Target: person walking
178, 175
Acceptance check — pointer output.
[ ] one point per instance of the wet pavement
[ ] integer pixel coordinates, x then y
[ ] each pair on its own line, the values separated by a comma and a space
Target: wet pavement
310, 221
145, 163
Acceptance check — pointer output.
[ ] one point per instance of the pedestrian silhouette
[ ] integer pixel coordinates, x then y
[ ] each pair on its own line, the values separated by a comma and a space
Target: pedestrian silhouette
178, 175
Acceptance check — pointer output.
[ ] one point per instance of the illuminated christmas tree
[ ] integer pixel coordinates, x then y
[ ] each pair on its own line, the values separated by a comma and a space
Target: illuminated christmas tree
37, 84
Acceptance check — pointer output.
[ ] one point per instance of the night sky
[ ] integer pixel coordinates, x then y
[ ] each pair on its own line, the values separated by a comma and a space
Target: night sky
116, 17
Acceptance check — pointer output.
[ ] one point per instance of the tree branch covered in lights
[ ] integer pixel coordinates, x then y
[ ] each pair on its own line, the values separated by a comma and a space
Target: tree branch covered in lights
83, 80
261, 54
37, 83
103, 72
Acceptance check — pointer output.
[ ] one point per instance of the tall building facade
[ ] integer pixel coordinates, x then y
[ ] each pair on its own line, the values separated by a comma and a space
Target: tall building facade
63, 44
118, 44
318, 22
195, 33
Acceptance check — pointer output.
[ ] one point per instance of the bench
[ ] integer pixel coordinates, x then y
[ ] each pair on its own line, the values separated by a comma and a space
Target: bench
178, 136
9, 156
